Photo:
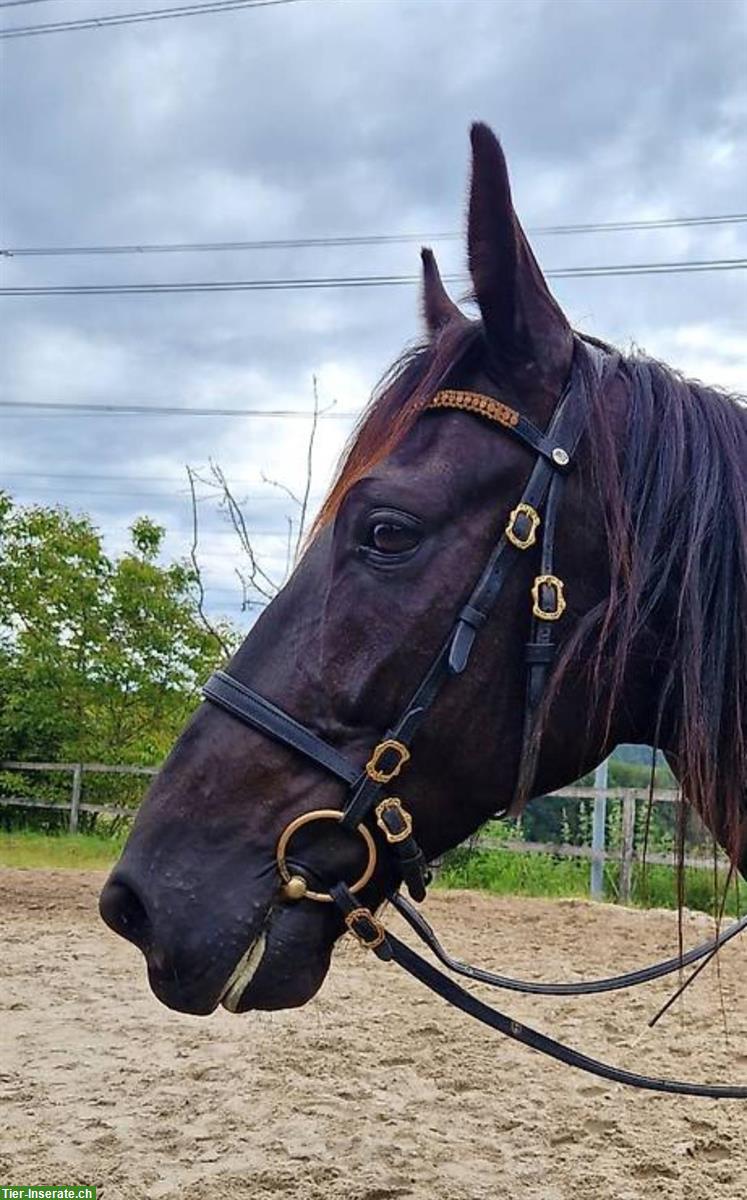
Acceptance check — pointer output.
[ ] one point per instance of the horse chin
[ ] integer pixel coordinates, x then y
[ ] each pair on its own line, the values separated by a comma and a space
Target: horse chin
278, 970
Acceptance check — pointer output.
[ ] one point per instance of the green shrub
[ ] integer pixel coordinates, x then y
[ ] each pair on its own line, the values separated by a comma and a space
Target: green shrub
503, 872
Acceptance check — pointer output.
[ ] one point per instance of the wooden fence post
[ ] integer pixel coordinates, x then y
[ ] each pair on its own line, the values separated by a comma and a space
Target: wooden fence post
75, 796
598, 830
627, 848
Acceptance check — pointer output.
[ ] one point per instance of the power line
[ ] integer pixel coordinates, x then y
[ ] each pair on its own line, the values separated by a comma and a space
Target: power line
59, 407
113, 478
242, 285
136, 497
373, 239
361, 281
108, 492
258, 499
132, 18
20, 3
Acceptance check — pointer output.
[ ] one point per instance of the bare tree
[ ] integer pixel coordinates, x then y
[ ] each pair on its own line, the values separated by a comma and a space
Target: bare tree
258, 584
196, 567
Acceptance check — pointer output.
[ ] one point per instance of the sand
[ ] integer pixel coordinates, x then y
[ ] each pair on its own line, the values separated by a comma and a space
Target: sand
374, 1091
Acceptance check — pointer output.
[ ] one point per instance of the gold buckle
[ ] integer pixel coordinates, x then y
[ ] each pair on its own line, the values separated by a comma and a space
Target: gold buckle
359, 914
294, 886
393, 802
372, 765
557, 585
523, 510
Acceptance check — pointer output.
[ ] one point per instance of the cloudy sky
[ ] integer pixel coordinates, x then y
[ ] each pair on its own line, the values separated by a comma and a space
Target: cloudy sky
318, 119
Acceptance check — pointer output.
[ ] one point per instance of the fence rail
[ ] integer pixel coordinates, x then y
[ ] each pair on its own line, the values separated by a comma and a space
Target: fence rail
626, 858
75, 806
596, 854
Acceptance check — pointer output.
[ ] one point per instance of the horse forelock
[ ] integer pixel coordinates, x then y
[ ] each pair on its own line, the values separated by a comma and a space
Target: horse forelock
397, 401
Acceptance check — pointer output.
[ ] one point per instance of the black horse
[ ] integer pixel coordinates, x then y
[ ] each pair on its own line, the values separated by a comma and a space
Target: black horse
639, 629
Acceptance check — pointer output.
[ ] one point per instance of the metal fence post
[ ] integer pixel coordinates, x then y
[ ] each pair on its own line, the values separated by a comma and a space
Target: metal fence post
598, 830
75, 796
627, 847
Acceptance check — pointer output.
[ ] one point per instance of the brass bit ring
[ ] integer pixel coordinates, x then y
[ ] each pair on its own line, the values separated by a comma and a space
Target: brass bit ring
295, 886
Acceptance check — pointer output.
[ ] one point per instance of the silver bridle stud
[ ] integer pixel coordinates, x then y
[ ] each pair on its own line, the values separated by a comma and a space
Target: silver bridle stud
561, 456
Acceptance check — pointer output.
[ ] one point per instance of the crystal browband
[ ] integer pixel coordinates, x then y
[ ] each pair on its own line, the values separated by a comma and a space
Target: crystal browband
476, 402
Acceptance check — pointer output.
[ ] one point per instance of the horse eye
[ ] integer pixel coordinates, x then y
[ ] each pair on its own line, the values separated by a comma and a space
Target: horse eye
386, 537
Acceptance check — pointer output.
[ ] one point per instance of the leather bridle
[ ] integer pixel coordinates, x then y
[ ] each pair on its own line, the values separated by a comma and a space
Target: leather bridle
369, 792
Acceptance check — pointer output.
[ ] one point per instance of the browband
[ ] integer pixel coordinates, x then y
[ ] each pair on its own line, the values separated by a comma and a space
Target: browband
512, 421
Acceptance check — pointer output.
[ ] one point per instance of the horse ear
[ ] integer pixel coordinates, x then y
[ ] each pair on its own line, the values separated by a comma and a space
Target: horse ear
523, 323
438, 307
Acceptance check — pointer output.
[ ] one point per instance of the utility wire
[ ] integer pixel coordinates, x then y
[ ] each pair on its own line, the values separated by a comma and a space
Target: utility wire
256, 497
361, 281
234, 482
20, 3
133, 18
135, 494
373, 239
59, 407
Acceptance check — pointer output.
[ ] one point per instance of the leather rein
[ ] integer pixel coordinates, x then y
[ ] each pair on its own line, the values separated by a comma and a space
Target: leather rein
369, 793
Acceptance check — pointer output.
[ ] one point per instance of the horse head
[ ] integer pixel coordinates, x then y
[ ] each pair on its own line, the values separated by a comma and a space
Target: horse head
427, 495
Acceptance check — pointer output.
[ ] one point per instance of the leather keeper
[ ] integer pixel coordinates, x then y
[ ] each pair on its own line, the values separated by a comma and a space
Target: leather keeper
413, 867
473, 616
461, 647
539, 653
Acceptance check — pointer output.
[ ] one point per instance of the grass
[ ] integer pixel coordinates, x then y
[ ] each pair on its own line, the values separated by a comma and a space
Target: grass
498, 871
509, 874
30, 848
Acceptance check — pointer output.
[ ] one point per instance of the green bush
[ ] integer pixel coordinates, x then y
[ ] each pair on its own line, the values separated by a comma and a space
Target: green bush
503, 873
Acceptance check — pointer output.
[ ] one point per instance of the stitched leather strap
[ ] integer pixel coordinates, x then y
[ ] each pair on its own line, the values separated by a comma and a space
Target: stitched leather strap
591, 987
251, 708
361, 922
459, 998
411, 861
539, 651
548, 445
565, 429
388, 948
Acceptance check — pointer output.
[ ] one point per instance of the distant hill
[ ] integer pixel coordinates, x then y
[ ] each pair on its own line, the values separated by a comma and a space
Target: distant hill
637, 754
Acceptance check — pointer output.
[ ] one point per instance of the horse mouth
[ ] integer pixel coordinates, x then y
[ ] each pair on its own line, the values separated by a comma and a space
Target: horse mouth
242, 974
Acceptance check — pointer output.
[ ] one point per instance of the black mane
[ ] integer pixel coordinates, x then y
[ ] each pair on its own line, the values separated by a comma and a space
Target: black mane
676, 514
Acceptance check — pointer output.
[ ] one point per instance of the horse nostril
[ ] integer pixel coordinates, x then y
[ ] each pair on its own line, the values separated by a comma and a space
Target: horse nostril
124, 912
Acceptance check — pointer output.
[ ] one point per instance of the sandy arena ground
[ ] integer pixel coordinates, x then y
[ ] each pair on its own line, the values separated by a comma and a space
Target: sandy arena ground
375, 1091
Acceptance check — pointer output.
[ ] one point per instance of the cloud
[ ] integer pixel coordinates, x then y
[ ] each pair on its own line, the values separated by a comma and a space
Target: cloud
317, 119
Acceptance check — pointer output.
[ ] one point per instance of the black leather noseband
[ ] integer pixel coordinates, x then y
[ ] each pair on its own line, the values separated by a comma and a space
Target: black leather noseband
555, 451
